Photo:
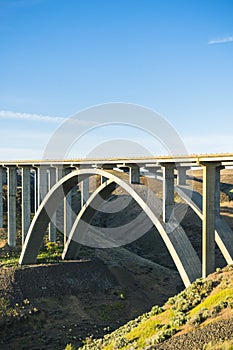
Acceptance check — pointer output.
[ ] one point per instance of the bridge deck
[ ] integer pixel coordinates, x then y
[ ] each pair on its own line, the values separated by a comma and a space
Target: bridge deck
192, 160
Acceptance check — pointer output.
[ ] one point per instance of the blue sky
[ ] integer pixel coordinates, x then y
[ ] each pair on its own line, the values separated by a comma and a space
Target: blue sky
58, 57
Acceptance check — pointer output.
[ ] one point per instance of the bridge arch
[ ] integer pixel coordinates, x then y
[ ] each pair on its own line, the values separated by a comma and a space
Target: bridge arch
223, 231
176, 241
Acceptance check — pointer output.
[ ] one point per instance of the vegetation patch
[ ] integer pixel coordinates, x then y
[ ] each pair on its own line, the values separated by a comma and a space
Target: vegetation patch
51, 252
203, 300
216, 302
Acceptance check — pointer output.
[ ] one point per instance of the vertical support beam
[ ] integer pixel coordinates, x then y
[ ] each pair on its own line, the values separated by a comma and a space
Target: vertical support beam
67, 210
35, 189
26, 201
52, 226
217, 191
181, 175
85, 184
134, 174
4, 176
42, 183
60, 209
85, 190
210, 207
11, 205
1, 201
168, 190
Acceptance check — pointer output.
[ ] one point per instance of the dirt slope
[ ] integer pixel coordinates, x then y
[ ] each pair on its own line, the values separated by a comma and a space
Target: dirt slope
65, 302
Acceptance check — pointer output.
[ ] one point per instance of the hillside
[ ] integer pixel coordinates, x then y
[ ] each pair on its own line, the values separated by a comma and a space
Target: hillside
45, 306
199, 317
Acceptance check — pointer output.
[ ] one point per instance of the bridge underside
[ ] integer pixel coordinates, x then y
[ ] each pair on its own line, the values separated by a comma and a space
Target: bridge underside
53, 186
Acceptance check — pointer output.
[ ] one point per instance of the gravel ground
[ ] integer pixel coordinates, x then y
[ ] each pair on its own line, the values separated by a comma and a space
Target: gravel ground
195, 340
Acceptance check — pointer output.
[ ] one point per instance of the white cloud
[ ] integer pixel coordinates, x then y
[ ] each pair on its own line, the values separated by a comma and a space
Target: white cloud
227, 39
26, 139
30, 117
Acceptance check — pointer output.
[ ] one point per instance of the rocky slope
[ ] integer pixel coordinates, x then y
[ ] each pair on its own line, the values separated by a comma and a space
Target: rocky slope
199, 315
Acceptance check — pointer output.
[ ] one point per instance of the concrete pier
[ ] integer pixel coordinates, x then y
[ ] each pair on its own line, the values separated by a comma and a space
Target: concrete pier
42, 183
217, 192
134, 174
26, 201
103, 179
85, 190
67, 210
60, 209
52, 178
211, 203
35, 181
11, 205
182, 175
168, 190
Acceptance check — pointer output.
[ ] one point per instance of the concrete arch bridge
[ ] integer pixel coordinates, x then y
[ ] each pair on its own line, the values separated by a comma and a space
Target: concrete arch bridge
53, 181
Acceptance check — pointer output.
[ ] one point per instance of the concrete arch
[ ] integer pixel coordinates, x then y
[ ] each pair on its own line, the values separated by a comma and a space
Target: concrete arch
223, 232
178, 245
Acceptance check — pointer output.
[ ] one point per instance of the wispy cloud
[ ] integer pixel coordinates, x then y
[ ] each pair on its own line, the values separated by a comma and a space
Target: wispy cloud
30, 117
227, 39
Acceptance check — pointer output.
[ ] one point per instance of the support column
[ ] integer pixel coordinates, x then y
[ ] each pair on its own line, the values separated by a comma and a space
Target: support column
42, 183
4, 176
52, 225
217, 191
211, 203
67, 210
26, 201
11, 205
107, 166
85, 190
35, 181
1, 202
60, 209
85, 184
134, 174
168, 190
181, 175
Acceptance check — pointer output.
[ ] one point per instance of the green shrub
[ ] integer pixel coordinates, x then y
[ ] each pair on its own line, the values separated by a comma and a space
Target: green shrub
51, 247
223, 304
191, 296
200, 317
120, 343
179, 319
164, 334
156, 310
70, 347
